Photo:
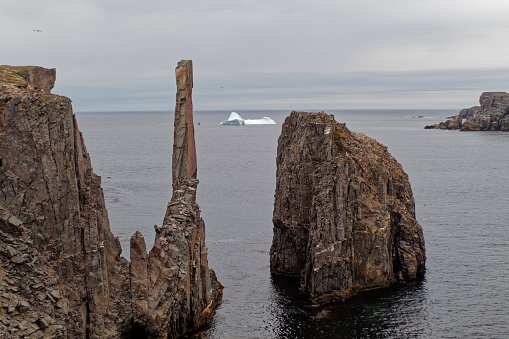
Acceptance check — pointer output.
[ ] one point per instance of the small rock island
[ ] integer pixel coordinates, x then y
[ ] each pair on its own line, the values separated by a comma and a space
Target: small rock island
61, 273
491, 115
344, 214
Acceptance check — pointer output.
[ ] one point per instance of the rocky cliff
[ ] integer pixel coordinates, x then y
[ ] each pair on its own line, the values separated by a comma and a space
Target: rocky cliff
344, 218
491, 115
61, 272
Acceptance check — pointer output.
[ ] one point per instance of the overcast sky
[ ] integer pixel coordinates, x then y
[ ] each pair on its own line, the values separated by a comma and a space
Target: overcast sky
278, 54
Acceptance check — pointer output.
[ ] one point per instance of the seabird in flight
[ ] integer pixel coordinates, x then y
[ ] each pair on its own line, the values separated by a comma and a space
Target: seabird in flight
37, 30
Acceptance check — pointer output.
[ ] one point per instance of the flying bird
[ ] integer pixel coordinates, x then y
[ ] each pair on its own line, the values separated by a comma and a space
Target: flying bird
37, 30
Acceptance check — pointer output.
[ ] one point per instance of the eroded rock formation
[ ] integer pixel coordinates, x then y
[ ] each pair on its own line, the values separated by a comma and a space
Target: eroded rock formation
344, 218
61, 272
491, 115
173, 288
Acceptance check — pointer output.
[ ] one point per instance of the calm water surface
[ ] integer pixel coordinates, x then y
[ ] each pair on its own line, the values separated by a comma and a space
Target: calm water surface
460, 182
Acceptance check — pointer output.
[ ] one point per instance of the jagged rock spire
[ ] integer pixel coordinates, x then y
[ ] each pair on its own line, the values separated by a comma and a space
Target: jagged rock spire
184, 149
175, 272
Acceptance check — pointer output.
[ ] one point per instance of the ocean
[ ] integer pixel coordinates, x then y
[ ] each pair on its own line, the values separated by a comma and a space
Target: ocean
460, 182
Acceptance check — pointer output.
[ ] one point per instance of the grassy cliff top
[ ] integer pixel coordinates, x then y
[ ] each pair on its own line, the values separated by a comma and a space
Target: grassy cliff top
15, 75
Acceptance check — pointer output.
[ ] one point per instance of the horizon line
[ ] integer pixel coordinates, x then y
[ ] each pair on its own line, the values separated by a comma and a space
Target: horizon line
326, 110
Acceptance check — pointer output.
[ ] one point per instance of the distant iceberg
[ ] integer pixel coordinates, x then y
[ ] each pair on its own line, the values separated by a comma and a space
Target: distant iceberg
236, 120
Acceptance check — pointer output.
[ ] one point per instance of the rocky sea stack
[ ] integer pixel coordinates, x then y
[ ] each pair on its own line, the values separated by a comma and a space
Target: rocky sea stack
491, 115
61, 273
344, 218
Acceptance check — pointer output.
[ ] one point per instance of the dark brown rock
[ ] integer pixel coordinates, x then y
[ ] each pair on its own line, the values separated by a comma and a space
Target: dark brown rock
59, 261
49, 191
175, 273
344, 218
184, 149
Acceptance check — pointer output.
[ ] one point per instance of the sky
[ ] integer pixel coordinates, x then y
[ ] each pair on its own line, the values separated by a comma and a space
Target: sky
117, 55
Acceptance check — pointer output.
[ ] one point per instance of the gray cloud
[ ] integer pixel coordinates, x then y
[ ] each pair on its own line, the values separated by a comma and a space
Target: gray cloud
452, 88
117, 54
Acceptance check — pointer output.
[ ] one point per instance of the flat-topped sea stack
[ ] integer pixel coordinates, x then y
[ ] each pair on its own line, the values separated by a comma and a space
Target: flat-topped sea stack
344, 217
491, 115
61, 273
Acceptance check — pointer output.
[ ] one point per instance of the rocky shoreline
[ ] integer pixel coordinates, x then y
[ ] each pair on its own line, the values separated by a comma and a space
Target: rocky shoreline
491, 115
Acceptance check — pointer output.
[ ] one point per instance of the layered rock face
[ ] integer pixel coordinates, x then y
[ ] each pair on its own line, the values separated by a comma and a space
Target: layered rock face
491, 115
344, 218
61, 272
173, 288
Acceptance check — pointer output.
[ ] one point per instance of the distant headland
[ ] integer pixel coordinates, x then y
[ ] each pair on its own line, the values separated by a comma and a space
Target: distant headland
491, 115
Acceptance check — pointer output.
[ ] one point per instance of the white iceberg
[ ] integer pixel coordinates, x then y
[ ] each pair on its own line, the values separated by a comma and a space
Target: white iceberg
236, 120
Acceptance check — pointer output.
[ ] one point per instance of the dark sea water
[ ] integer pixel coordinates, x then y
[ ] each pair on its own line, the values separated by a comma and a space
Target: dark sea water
460, 182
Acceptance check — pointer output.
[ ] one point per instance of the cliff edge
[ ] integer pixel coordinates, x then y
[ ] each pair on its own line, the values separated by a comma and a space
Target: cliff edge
344, 218
491, 115
61, 272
